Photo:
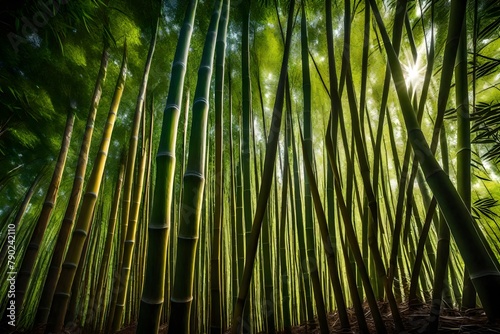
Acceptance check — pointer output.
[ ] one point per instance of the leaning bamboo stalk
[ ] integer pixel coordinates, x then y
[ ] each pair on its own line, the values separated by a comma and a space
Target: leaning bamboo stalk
159, 222
372, 200
486, 276
62, 294
442, 254
272, 145
74, 200
130, 242
22, 209
356, 296
396, 40
298, 219
351, 237
327, 244
49, 203
193, 183
310, 262
419, 257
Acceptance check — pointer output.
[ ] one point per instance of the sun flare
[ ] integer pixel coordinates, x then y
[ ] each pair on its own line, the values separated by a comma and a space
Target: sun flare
414, 73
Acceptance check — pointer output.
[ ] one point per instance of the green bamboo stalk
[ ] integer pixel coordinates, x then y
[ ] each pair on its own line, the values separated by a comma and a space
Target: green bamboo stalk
443, 252
194, 181
285, 291
246, 92
310, 263
129, 243
246, 109
215, 279
354, 289
130, 210
309, 219
159, 223
464, 145
364, 65
306, 301
104, 266
485, 274
240, 226
62, 294
75, 302
305, 288
397, 32
307, 98
423, 241
233, 195
30, 257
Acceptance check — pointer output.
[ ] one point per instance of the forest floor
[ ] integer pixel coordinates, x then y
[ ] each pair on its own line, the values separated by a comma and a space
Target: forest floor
415, 322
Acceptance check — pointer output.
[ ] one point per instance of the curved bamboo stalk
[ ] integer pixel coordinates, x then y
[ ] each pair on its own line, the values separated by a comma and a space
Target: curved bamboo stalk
62, 294
74, 200
159, 223
43, 219
193, 183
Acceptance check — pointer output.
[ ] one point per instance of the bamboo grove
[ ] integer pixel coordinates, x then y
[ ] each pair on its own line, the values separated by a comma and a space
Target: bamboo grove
248, 166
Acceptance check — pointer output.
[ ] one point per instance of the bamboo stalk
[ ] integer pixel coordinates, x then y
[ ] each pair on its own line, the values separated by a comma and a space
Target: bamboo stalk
159, 222
265, 189
193, 183
30, 257
130, 210
464, 145
216, 325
